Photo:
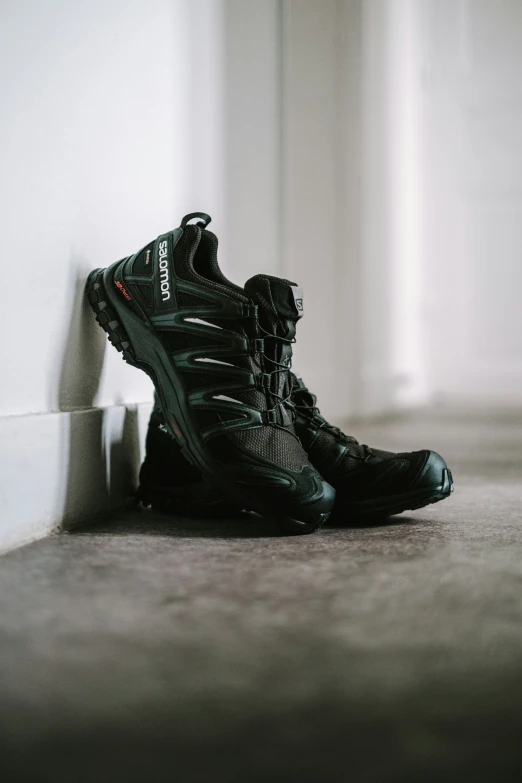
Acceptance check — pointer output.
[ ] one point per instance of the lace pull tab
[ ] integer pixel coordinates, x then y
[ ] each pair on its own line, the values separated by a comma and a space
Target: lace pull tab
286, 416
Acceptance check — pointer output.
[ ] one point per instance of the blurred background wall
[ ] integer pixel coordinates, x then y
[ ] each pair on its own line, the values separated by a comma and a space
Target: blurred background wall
366, 149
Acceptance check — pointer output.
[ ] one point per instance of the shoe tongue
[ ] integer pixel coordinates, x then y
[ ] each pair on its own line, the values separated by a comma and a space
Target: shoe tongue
280, 302
280, 305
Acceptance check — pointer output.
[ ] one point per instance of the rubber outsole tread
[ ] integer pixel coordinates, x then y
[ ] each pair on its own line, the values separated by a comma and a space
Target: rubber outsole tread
220, 509
178, 506
108, 319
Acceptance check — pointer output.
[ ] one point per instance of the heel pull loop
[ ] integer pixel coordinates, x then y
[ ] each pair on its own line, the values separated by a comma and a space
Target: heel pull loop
202, 218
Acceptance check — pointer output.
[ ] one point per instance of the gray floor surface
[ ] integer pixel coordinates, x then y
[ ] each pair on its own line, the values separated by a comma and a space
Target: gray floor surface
148, 648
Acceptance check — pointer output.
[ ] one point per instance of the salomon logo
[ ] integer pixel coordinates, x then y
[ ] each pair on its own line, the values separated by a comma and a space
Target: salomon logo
164, 271
298, 299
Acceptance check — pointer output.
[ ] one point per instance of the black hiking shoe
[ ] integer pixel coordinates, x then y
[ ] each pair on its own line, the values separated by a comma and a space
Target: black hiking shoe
368, 482
219, 357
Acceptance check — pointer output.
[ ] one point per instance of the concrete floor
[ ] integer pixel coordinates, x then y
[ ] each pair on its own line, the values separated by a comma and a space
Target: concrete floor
153, 649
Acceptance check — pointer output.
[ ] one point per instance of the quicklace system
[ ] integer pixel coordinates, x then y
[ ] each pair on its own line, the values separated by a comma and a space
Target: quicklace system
283, 403
226, 382
305, 404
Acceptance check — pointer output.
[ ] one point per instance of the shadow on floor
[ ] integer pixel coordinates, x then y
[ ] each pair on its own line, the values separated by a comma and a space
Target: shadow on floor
141, 521
376, 522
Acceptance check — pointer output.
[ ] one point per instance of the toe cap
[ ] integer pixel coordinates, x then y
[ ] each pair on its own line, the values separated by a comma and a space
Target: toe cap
431, 473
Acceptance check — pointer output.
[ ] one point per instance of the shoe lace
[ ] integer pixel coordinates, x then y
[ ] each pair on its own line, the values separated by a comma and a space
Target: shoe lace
311, 412
280, 368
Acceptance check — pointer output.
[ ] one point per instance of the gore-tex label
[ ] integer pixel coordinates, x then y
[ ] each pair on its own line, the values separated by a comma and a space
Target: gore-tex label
298, 299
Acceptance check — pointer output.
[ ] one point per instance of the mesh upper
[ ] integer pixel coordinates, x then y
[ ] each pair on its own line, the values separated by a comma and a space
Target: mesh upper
186, 299
146, 292
270, 443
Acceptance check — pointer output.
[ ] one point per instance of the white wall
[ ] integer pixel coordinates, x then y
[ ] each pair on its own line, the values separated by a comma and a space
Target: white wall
90, 143
251, 132
472, 106
309, 180
429, 193
87, 165
351, 189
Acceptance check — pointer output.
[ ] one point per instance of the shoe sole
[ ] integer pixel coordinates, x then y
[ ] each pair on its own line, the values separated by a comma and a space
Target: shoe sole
141, 347
187, 501
396, 504
199, 499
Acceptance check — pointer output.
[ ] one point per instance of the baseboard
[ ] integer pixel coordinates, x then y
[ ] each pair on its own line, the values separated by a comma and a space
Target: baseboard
59, 469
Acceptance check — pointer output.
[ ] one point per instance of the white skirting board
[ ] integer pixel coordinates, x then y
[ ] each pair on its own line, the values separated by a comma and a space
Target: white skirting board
60, 469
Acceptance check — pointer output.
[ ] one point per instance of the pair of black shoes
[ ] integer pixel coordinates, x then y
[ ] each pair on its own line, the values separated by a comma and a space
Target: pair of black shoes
232, 427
